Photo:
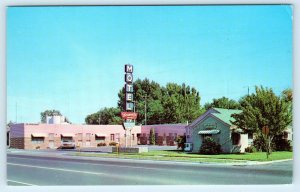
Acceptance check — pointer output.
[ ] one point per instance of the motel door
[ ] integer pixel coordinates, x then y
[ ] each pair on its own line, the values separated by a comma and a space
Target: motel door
88, 144
51, 145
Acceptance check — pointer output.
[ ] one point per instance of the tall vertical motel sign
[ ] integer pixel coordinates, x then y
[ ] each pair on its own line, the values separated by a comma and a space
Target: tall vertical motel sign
129, 115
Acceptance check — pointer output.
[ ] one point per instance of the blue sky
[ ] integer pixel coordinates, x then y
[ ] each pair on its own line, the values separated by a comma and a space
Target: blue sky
72, 58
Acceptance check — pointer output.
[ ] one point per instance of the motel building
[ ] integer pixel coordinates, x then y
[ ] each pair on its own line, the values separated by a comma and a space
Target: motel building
51, 134
215, 123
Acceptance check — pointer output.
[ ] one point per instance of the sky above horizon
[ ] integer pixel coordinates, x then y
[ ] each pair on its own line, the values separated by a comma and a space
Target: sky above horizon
72, 58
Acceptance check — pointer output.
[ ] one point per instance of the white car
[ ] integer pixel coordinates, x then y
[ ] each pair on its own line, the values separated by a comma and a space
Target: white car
68, 144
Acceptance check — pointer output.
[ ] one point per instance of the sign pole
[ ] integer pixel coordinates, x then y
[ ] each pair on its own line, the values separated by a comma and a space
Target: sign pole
130, 138
128, 115
125, 138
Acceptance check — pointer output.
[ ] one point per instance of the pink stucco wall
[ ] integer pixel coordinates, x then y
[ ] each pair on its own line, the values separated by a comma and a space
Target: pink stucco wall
21, 134
71, 129
179, 129
25, 130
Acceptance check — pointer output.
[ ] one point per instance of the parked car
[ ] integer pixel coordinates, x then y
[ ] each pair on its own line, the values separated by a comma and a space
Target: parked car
67, 144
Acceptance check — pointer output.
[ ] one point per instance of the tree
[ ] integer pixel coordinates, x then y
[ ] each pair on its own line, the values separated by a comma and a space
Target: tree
146, 94
223, 102
287, 95
263, 109
181, 140
105, 116
10, 123
49, 113
170, 104
152, 136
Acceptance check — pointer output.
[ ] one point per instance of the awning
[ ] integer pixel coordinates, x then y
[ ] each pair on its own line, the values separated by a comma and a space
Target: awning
237, 131
67, 134
100, 135
206, 132
38, 135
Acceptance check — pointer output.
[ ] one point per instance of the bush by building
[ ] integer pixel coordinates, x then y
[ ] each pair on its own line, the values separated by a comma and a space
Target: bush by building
250, 149
180, 142
281, 144
210, 147
278, 144
113, 143
152, 136
101, 144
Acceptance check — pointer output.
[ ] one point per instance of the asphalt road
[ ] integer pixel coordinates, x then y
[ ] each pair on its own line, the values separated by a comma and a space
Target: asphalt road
43, 171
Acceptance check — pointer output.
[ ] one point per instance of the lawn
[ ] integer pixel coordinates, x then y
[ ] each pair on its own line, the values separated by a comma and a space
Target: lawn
181, 156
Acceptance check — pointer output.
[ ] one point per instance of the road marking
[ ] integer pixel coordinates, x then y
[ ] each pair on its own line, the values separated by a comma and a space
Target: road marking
56, 169
21, 182
161, 169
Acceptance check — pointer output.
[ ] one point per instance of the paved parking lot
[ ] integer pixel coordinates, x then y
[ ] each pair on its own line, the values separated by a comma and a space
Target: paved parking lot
103, 149
108, 149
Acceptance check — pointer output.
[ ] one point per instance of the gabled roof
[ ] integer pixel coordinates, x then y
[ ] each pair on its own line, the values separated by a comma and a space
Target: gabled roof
225, 114
219, 113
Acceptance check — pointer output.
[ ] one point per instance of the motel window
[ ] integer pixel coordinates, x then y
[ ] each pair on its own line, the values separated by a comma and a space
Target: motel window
250, 135
100, 138
132, 136
37, 140
285, 135
235, 137
66, 138
175, 135
206, 135
112, 137
51, 136
88, 136
117, 137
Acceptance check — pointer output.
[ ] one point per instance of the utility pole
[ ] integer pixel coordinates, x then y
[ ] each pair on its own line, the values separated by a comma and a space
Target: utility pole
145, 109
134, 124
16, 112
248, 90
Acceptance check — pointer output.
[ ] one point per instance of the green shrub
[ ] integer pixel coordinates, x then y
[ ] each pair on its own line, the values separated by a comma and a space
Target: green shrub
250, 149
152, 136
282, 144
101, 144
180, 142
113, 143
278, 144
210, 147
260, 145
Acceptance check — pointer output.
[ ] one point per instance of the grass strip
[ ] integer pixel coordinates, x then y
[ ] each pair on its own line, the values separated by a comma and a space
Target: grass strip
181, 156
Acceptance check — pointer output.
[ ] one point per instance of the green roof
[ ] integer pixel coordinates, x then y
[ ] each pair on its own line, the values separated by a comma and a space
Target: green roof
225, 114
